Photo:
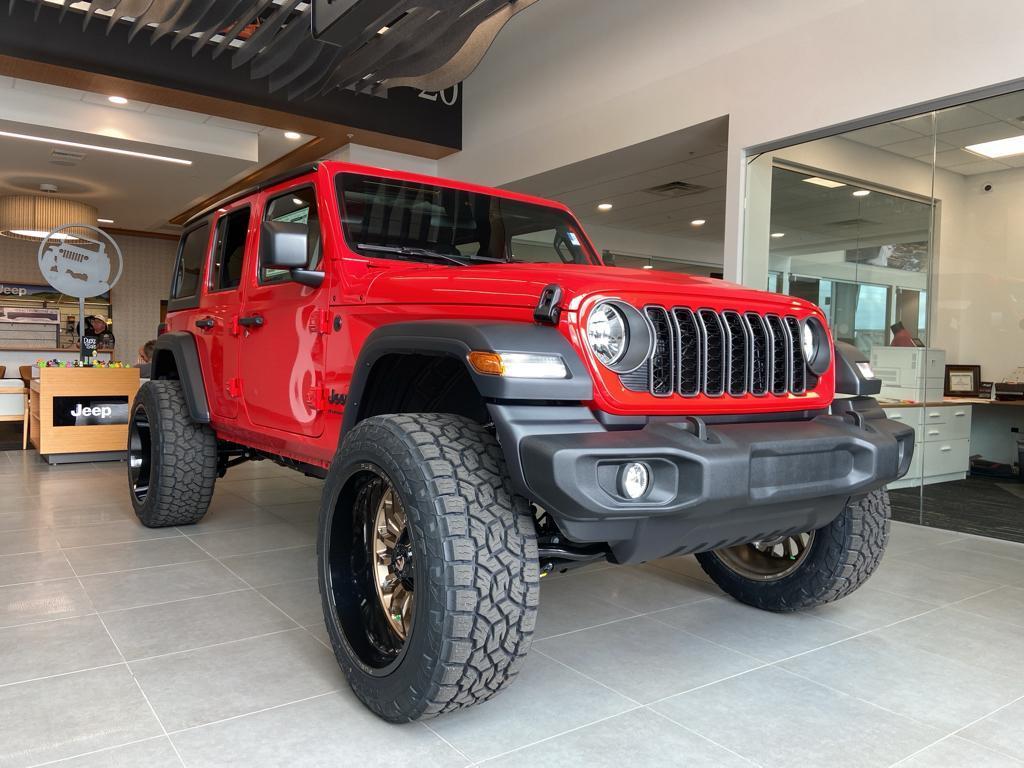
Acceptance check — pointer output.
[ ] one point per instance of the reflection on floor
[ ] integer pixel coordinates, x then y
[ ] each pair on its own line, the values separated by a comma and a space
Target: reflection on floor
980, 505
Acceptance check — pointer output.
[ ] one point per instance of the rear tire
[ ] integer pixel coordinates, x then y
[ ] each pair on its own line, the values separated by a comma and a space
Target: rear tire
823, 566
172, 461
459, 542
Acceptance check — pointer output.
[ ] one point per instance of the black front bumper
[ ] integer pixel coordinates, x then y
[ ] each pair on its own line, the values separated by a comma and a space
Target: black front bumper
714, 485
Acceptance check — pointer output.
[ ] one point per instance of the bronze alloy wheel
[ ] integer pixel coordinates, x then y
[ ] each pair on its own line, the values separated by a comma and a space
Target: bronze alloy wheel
371, 569
392, 561
140, 453
768, 560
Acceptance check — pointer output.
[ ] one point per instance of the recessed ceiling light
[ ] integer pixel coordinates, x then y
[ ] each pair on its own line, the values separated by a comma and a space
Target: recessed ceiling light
604, 206
824, 182
117, 99
698, 222
111, 150
648, 266
297, 201
778, 234
292, 135
105, 221
862, 193
1014, 145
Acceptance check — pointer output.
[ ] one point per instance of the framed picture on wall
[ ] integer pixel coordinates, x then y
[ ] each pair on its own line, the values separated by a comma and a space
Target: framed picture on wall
963, 380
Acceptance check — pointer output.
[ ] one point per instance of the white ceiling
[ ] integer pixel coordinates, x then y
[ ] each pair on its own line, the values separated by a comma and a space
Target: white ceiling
695, 155
137, 193
953, 129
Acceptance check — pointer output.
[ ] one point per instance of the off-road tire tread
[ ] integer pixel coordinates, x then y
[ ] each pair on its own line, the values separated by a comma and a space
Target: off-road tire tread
184, 468
482, 552
844, 555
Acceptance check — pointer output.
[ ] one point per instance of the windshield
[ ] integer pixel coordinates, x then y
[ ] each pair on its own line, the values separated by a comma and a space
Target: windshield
390, 218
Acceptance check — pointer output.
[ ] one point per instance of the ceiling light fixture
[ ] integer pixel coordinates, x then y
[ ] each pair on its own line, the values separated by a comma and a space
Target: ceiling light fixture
383, 29
698, 222
778, 234
79, 145
297, 201
117, 99
105, 221
604, 206
829, 183
292, 135
648, 266
862, 193
1014, 145
33, 217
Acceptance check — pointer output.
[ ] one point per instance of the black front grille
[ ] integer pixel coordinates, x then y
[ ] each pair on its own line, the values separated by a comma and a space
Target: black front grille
706, 352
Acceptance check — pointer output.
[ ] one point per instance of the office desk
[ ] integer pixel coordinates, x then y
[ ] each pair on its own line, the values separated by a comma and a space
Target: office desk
951, 430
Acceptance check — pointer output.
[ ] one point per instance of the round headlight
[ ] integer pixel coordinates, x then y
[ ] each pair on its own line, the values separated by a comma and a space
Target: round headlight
814, 343
809, 342
607, 334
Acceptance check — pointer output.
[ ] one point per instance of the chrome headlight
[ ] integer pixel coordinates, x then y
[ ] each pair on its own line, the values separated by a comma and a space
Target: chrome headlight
607, 333
814, 343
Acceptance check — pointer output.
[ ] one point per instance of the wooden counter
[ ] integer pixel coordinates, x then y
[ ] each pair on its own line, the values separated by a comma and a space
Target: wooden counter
81, 414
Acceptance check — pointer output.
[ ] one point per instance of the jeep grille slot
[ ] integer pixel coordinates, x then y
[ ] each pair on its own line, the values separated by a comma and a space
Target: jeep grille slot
660, 382
711, 353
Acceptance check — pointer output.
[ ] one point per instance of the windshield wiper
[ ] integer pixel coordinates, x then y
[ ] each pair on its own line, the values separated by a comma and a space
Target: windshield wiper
405, 250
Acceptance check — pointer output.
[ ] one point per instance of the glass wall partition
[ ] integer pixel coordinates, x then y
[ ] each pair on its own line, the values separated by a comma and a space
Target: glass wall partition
909, 236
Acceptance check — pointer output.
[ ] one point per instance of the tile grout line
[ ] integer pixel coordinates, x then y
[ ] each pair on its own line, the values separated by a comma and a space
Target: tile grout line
99, 751
486, 760
960, 730
708, 739
130, 671
246, 582
425, 724
223, 720
588, 677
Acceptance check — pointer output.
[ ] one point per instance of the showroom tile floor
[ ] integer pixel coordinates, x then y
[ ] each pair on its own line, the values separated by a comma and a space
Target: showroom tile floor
123, 646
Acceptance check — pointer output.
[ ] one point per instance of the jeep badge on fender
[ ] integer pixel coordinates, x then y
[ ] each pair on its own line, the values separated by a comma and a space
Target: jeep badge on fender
488, 402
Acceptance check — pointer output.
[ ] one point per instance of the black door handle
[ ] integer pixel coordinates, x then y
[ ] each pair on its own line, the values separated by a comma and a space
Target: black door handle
206, 323
251, 320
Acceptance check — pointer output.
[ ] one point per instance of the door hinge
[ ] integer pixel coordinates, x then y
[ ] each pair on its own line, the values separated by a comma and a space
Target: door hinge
316, 398
233, 387
320, 321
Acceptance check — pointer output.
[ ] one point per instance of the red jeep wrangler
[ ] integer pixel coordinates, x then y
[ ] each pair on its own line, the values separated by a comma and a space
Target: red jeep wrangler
488, 402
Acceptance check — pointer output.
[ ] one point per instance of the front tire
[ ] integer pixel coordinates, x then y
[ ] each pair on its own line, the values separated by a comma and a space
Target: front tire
808, 569
428, 565
172, 461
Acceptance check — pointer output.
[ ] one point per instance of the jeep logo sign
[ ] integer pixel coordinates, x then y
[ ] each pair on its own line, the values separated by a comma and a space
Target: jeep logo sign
103, 411
13, 290
90, 411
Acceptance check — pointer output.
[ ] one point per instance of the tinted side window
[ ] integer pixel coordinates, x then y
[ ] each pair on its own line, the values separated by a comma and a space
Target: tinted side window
229, 250
298, 206
189, 268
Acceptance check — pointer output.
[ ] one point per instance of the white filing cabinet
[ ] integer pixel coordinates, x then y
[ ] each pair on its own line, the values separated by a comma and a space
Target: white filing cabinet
942, 450
910, 373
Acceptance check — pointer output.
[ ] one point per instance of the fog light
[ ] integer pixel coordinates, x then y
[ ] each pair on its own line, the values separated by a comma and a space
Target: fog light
634, 480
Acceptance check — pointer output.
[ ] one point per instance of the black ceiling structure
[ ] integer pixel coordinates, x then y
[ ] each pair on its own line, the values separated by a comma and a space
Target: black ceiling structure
367, 65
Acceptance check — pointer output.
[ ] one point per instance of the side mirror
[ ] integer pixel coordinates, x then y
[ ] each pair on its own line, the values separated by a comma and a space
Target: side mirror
285, 245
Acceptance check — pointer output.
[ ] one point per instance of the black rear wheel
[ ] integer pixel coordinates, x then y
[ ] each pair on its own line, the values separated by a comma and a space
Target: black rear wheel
172, 461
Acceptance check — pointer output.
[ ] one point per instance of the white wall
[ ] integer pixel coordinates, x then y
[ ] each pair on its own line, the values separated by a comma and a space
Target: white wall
383, 158
653, 245
570, 79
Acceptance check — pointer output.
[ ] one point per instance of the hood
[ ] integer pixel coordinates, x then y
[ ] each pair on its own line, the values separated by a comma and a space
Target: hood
520, 285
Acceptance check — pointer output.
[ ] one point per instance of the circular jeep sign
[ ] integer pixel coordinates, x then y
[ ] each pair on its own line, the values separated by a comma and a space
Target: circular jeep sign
78, 265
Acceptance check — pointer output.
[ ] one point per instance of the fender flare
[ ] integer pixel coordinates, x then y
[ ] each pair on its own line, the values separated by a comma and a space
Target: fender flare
175, 356
850, 379
456, 339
